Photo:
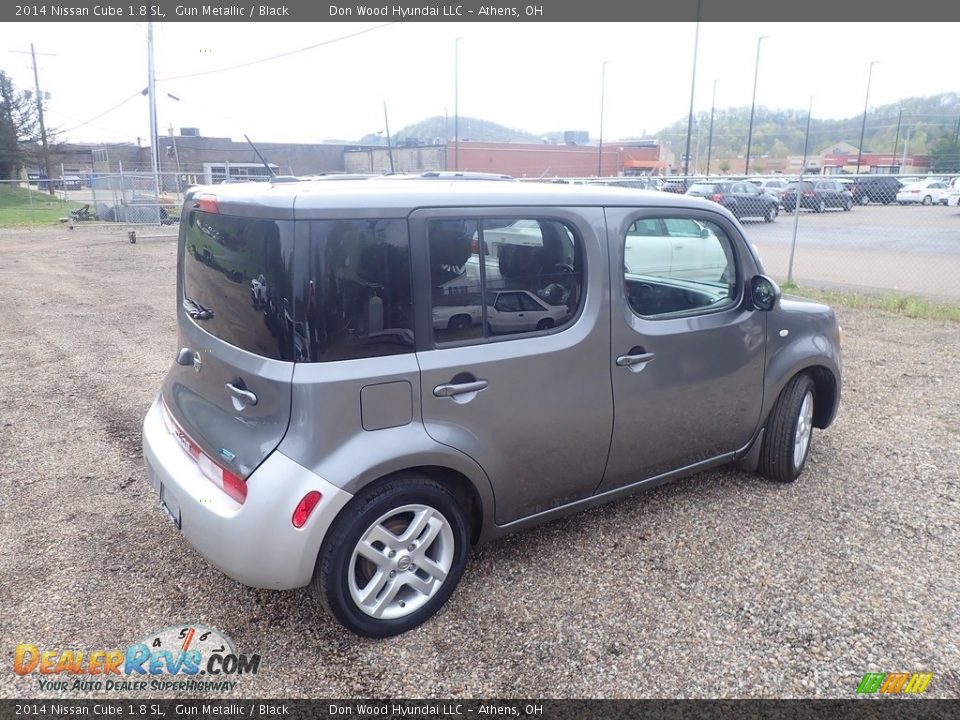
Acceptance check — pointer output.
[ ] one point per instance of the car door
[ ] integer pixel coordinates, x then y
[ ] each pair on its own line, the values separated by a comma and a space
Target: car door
687, 355
532, 407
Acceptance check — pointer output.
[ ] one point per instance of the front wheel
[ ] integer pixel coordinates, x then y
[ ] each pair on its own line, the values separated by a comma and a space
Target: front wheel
821, 206
786, 440
927, 200
393, 557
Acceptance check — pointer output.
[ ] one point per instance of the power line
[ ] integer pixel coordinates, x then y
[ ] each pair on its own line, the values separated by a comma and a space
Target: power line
105, 112
278, 56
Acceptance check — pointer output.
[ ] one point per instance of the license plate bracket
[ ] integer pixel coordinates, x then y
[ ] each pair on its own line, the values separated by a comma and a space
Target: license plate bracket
170, 506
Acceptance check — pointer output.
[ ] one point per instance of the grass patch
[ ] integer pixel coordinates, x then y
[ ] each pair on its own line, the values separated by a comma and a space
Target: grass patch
906, 305
19, 206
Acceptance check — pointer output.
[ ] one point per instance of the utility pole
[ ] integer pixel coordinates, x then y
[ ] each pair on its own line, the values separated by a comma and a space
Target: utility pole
693, 86
152, 93
713, 107
43, 129
386, 125
896, 140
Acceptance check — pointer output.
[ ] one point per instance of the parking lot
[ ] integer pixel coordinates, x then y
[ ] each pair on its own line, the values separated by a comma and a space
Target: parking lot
908, 249
719, 585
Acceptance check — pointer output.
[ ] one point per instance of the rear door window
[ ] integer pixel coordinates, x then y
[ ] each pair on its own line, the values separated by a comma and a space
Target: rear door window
237, 281
353, 290
489, 276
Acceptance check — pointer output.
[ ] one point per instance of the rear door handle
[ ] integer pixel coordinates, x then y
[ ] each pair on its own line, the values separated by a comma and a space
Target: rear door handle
453, 389
629, 360
244, 396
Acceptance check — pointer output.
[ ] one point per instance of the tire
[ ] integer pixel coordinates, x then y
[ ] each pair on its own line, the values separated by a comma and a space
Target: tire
821, 206
786, 440
458, 323
848, 205
927, 200
545, 324
864, 200
409, 583
771, 215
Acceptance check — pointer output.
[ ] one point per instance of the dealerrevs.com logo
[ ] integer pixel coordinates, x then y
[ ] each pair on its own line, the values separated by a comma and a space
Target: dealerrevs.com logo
181, 658
894, 683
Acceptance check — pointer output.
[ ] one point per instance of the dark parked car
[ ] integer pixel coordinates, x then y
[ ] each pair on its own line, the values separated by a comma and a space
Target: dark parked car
817, 195
875, 188
743, 199
675, 186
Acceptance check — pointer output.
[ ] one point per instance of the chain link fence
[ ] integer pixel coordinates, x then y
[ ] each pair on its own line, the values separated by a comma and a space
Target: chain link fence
868, 233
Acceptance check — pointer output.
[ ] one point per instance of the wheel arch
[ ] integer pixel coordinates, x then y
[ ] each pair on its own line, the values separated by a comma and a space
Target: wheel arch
461, 486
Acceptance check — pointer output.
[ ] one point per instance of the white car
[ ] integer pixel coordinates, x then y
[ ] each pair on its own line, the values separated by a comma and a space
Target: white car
924, 193
670, 248
953, 195
771, 186
508, 311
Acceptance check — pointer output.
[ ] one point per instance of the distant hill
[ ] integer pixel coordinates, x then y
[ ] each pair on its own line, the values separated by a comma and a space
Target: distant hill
439, 128
777, 133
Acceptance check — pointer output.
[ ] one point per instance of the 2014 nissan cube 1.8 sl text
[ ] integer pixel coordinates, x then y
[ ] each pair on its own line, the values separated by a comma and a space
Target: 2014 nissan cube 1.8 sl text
375, 374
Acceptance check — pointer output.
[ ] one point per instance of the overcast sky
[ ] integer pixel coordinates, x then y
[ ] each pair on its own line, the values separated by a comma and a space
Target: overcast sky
529, 76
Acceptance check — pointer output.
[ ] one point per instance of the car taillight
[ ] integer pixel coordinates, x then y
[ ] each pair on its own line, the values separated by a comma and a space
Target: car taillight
207, 202
233, 485
716, 197
302, 512
808, 193
475, 247
915, 190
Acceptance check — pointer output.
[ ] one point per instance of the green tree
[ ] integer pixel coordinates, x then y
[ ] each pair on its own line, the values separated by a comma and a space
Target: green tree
945, 155
19, 129
724, 166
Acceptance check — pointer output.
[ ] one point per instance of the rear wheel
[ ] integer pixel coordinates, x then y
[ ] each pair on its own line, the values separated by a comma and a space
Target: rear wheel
820, 206
771, 214
786, 440
392, 557
927, 200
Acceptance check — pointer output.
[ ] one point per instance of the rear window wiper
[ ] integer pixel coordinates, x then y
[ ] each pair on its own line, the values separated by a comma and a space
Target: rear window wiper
196, 310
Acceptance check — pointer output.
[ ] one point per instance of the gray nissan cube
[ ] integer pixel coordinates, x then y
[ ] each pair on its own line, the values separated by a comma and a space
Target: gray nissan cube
374, 374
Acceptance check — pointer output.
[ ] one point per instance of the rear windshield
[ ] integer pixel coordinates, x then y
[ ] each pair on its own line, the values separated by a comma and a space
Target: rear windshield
704, 188
803, 186
325, 290
236, 281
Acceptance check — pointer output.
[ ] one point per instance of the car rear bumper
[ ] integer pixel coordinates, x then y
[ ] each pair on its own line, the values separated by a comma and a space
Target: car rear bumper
256, 542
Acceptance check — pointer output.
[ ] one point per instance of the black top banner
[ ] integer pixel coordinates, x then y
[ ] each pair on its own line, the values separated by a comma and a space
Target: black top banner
860, 11
236, 709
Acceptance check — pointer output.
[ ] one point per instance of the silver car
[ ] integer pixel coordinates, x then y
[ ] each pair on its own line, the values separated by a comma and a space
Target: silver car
343, 431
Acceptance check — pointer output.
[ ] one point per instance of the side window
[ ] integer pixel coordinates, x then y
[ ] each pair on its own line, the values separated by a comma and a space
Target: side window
676, 273
354, 290
500, 276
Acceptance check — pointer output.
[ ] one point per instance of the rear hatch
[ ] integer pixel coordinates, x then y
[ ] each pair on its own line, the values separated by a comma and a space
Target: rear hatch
229, 389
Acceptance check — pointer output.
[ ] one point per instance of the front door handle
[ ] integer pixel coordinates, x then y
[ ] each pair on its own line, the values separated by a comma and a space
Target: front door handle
453, 389
244, 396
630, 360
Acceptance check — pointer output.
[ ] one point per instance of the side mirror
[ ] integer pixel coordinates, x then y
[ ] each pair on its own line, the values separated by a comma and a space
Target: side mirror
764, 292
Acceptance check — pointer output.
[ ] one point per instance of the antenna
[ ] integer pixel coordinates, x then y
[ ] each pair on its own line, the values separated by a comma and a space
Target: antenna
265, 163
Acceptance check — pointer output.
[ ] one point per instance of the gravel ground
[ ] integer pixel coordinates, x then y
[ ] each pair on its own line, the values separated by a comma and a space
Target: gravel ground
719, 585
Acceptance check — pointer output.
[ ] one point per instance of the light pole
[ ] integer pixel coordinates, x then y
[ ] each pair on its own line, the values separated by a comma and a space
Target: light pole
863, 125
896, 140
693, 85
753, 104
713, 107
603, 87
796, 205
456, 103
